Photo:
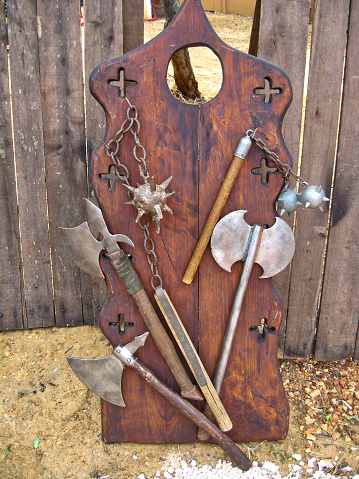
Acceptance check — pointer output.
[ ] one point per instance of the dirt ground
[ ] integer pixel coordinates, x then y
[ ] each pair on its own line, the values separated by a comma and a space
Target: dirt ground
51, 424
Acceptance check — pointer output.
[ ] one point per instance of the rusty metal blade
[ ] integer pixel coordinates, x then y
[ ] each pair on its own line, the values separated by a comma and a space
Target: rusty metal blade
229, 239
102, 376
276, 248
84, 248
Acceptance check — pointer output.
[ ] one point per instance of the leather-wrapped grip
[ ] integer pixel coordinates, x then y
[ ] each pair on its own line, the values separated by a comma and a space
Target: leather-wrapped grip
125, 271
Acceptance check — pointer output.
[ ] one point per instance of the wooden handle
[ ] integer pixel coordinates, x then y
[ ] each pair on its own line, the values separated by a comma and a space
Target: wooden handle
202, 434
212, 219
238, 457
189, 352
133, 285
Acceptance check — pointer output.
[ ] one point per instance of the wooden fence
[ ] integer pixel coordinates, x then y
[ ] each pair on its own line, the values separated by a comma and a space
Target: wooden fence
54, 125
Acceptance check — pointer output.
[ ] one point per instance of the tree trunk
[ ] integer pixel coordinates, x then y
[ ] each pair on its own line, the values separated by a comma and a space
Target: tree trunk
183, 72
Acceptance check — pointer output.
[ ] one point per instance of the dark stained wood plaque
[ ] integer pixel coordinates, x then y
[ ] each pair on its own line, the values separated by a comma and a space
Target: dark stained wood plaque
195, 145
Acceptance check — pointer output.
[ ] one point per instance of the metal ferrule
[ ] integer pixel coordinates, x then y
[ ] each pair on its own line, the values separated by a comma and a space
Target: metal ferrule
124, 355
243, 147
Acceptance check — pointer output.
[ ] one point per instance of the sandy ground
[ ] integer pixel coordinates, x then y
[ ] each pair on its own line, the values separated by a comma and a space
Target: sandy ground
51, 424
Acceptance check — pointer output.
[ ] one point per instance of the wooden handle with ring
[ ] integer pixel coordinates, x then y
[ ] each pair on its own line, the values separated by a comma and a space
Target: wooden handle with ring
231, 176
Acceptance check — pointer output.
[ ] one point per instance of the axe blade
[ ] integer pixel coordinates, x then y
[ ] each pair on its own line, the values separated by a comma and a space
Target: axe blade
276, 248
231, 238
83, 248
102, 376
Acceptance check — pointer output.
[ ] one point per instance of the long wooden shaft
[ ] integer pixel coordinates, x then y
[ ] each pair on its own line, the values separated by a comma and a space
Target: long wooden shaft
227, 185
133, 285
238, 457
189, 352
233, 319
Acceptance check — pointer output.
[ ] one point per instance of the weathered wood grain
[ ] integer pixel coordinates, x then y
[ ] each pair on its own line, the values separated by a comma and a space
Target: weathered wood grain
319, 148
195, 146
64, 146
133, 25
283, 41
10, 253
28, 139
103, 39
338, 318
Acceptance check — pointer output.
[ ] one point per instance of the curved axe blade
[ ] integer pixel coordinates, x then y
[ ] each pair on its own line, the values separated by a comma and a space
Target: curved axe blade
276, 248
103, 376
231, 238
84, 248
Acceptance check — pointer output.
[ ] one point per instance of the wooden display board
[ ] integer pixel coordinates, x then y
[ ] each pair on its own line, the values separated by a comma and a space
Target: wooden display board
194, 144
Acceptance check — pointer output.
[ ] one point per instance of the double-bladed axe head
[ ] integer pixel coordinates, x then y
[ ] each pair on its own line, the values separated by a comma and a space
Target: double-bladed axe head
103, 376
231, 238
82, 241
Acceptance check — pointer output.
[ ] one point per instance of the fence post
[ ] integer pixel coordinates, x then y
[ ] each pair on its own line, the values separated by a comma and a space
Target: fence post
10, 254
338, 318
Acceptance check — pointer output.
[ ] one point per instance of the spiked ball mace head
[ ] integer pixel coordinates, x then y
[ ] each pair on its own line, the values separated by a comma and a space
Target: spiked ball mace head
150, 200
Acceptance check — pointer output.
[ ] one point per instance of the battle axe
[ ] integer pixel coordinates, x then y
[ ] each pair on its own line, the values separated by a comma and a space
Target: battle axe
103, 377
233, 239
85, 250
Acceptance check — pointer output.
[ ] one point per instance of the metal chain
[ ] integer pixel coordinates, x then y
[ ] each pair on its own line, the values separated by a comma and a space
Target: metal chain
151, 255
139, 153
283, 167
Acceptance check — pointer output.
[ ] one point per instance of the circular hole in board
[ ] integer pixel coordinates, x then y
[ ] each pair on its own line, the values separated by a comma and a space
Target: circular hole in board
207, 70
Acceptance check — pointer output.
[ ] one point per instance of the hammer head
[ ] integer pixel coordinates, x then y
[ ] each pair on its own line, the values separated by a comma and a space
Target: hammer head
232, 235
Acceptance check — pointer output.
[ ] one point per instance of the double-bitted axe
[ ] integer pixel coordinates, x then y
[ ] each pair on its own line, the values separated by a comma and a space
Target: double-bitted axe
103, 377
233, 239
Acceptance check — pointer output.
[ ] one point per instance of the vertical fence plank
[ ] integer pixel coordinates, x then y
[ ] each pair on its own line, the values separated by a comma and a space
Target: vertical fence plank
65, 150
103, 40
10, 254
319, 147
133, 25
338, 318
27, 120
283, 41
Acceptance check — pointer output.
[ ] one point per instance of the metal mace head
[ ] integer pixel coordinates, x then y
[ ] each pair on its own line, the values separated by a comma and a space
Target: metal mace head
103, 376
232, 235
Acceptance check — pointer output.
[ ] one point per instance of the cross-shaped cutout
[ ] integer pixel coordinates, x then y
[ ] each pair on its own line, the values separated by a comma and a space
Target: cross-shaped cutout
267, 90
262, 329
121, 82
264, 170
112, 177
122, 325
